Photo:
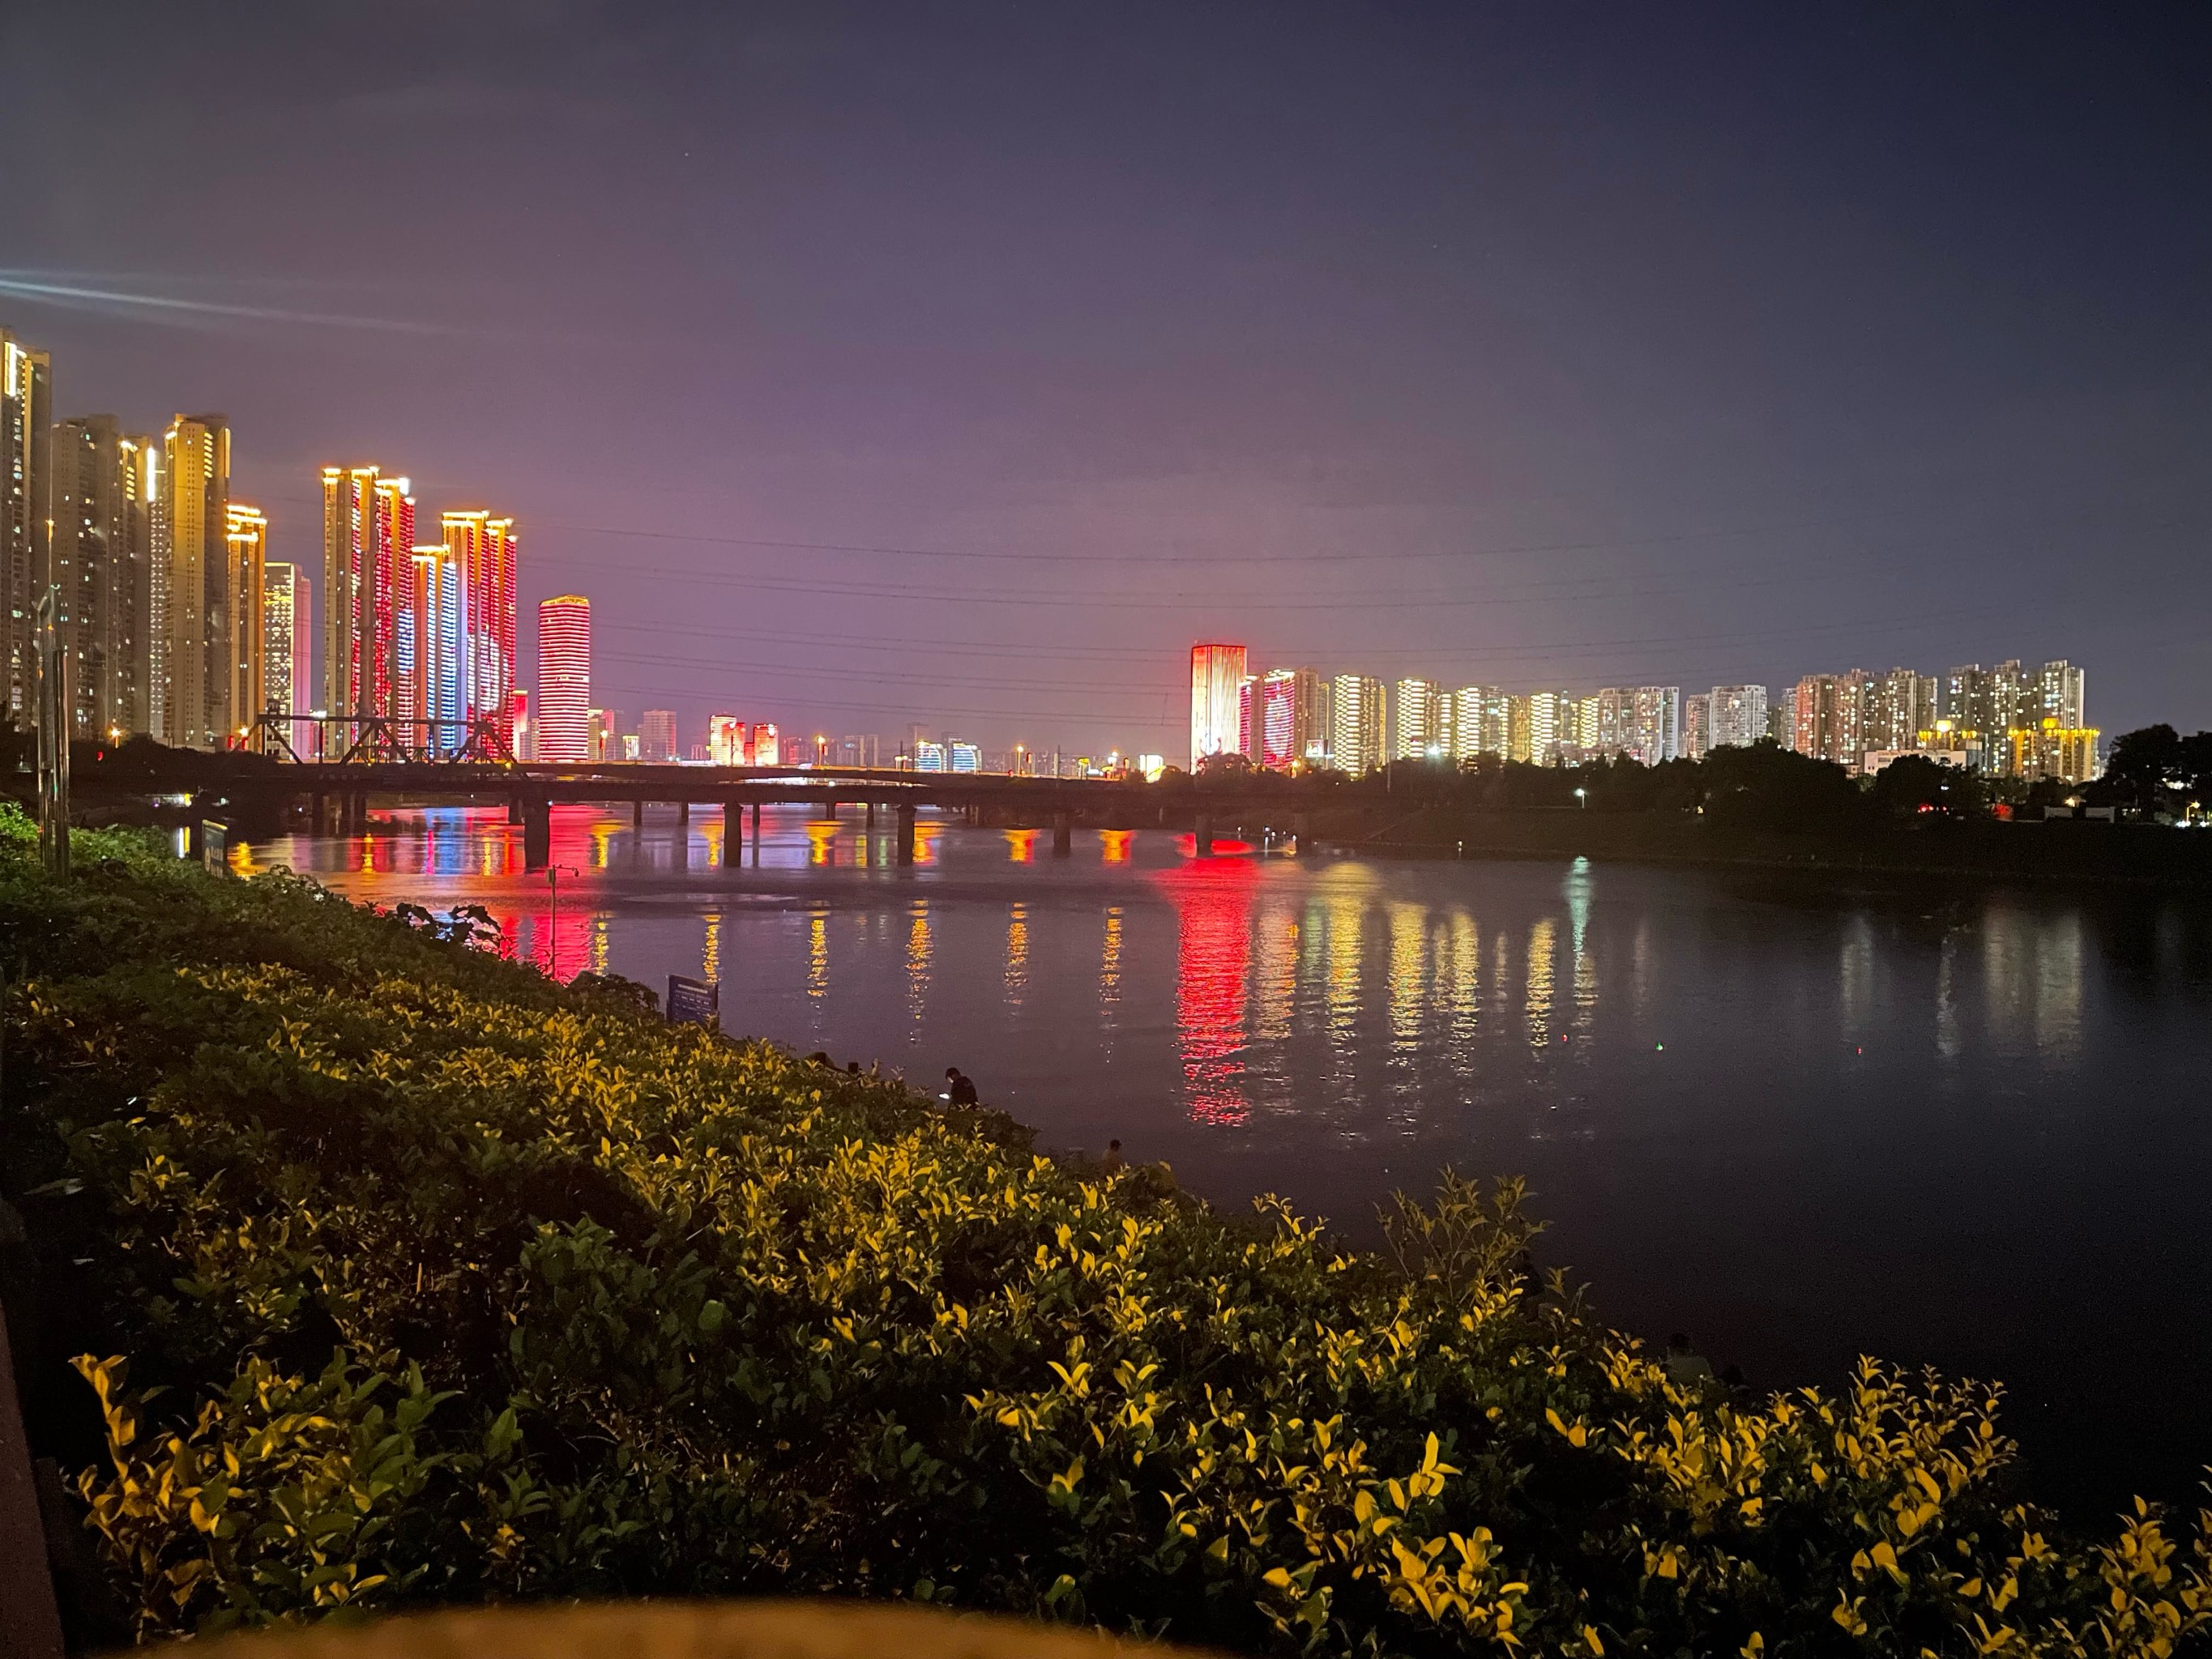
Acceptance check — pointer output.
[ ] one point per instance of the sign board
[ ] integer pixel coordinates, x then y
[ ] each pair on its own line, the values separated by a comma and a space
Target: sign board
214, 845
694, 1002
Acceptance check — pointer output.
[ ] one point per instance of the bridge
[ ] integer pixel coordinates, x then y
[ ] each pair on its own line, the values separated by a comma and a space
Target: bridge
333, 797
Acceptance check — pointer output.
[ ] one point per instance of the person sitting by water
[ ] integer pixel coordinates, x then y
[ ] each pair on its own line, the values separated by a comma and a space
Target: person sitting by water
960, 1087
1111, 1164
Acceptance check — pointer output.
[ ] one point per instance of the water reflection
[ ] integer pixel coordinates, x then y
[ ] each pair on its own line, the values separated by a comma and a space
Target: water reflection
1017, 955
1212, 900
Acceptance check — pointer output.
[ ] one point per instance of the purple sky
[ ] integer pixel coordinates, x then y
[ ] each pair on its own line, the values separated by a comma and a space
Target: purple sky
962, 364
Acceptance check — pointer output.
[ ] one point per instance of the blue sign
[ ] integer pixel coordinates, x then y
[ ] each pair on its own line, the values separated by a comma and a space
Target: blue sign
694, 1002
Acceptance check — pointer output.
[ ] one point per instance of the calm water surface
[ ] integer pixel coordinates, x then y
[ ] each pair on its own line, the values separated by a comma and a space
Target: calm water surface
1962, 1126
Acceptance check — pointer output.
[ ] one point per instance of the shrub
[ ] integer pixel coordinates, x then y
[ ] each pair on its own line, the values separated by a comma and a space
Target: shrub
453, 1285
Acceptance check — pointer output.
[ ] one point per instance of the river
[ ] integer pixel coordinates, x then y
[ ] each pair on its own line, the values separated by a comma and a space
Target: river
1960, 1125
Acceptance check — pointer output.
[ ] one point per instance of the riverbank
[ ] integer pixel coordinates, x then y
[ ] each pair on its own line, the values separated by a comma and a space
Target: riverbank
2069, 851
656, 1312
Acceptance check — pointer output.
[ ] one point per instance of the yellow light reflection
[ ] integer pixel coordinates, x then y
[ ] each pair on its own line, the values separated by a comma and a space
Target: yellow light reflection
1110, 966
1021, 846
1017, 954
818, 955
1114, 844
710, 960
925, 841
822, 841
1409, 940
917, 961
1543, 941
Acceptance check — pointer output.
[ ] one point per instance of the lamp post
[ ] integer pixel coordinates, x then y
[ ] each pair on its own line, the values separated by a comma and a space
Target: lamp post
1583, 796
553, 874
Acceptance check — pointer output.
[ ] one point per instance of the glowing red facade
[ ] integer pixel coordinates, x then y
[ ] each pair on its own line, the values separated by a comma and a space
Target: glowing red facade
564, 680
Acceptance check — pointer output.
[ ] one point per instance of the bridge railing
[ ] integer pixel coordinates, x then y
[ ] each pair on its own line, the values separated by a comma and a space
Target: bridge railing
351, 739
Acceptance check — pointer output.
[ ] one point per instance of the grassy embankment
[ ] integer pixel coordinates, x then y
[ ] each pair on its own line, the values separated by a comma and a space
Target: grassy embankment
460, 1285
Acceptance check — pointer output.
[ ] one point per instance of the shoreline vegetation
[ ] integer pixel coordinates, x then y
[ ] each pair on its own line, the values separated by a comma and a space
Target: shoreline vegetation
362, 1269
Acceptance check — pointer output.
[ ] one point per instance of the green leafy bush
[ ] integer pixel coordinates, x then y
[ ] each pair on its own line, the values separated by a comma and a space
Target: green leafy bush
454, 1284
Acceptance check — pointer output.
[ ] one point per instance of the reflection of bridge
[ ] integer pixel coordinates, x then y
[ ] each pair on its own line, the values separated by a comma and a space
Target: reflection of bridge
336, 796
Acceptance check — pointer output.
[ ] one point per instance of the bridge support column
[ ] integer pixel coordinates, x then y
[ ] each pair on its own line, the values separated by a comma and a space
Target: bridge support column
637, 813
756, 832
682, 815
733, 831
514, 810
1202, 837
319, 822
869, 819
906, 836
1063, 836
1301, 829
536, 832
357, 806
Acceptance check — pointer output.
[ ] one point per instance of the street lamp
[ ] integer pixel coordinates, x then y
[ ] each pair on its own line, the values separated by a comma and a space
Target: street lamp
1583, 795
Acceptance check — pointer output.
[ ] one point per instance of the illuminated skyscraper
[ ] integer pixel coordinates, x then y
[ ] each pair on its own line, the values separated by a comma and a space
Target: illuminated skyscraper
102, 541
1817, 727
25, 504
1738, 716
194, 627
368, 537
287, 637
429, 675
1217, 674
1361, 715
1416, 719
1478, 722
963, 756
484, 552
767, 748
240, 626
606, 735
725, 740
564, 679
2062, 694
1278, 717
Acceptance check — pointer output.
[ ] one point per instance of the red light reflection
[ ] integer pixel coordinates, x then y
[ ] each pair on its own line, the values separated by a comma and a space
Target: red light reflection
1115, 843
1021, 845
1213, 903
1223, 848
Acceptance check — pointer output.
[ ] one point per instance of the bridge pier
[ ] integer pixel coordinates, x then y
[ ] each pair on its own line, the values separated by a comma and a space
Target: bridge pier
1063, 836
536, 832
905, 835
869, 820
514, 810
318, 821
733, 832
637, 813
1202, 836
1301, 829
682, 816
756, 832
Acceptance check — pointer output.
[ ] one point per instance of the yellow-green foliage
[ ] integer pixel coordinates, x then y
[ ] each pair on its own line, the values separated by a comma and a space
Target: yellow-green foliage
464, 1286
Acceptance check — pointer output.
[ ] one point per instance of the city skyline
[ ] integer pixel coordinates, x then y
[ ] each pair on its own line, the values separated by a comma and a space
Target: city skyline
1507, 372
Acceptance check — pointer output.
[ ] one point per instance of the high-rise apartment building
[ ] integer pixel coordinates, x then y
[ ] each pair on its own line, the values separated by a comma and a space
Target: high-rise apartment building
430, 651
1816, 722
1898, 707
1738, 716
1416, 719
564, 680
237, 630
725, 740
1360, 722
656, 735
100, 541
287, 644
1643, 723
368, 537
2062, 694
767, 744
27, 418
192, 628
1278, 717
1696, 725
1217, 680
1969, 702
484, 552
1478, 722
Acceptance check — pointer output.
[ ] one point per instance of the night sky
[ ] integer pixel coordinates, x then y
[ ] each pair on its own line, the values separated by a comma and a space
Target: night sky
963, 364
